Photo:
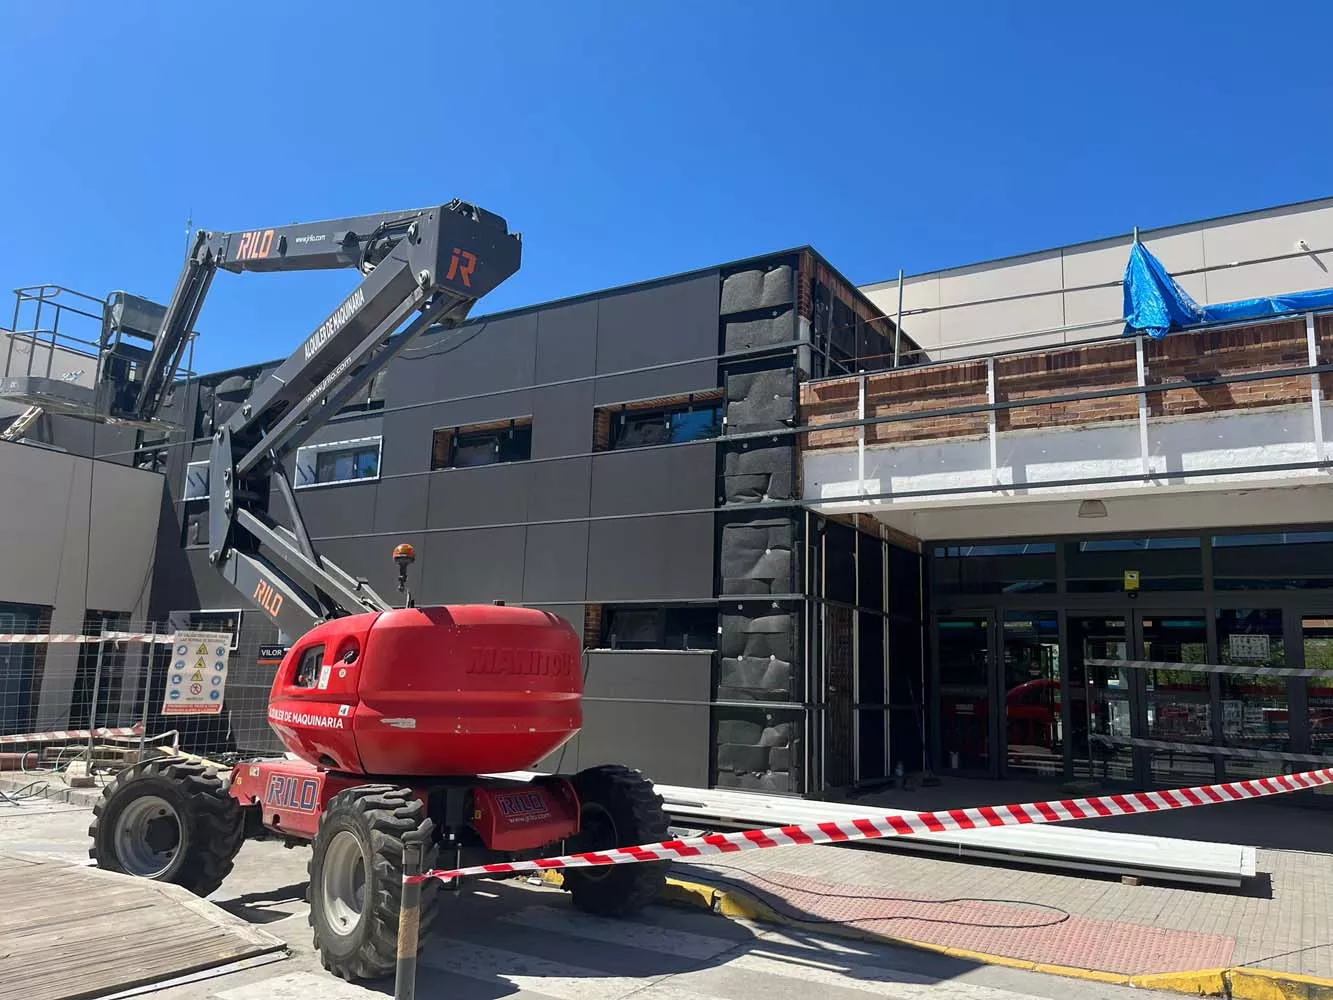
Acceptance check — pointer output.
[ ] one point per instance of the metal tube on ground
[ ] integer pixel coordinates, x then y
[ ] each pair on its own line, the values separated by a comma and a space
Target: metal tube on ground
409, 922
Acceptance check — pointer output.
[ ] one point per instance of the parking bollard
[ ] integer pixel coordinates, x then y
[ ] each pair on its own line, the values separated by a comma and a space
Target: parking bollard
409, 922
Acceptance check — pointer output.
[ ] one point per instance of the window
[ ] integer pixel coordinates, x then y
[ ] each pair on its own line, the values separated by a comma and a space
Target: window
208, 621
307, 673
640, 428
1099, 565
482, 444
1289, 560
1018, 568
196, 480
660, 628
338, 462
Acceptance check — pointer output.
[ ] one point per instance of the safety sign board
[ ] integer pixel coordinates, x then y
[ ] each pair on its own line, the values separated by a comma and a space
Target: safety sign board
197, 673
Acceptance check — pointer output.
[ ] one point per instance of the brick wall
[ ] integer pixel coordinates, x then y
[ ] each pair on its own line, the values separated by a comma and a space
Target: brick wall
1185, 359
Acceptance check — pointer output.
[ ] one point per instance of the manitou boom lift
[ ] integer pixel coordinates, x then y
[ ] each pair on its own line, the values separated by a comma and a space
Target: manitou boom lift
392, 714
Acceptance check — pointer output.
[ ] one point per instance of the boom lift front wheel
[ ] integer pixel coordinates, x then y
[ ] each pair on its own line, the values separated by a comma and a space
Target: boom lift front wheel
356, 878
170, 821
619, 808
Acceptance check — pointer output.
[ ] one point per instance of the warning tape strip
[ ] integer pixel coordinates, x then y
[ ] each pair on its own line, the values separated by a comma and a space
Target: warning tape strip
1208, 749
908, 825
69, 637
1211, 668
74, 734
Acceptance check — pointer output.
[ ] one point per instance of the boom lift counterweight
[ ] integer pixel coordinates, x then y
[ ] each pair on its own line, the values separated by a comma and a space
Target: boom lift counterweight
392, 714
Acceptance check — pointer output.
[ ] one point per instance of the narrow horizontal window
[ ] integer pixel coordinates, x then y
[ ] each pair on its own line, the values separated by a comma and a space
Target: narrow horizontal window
338, 462
672, 420
481, 444
196, 480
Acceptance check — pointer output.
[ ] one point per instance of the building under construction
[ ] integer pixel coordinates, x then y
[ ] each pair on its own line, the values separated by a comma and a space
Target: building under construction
1060, 515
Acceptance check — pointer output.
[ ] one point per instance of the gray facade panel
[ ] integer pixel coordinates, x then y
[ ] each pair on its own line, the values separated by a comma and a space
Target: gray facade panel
407, 441
334, 510
650, 676
476, 566
400, 504
566, 342
461, 413
559, 489
489, 494
347, 429
673, 381
651, 558
649, 480
563, 761
672, 321
562, 418
556, 565
486, 356
123, 533
669, 743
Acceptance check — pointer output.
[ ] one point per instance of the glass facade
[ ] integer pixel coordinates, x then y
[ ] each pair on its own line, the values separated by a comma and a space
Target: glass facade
1147, 661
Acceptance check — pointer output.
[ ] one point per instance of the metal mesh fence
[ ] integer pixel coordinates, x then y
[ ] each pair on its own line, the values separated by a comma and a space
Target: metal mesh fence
98, 700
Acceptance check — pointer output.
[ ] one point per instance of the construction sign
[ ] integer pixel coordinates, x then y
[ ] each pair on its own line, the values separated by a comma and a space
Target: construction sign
197, 676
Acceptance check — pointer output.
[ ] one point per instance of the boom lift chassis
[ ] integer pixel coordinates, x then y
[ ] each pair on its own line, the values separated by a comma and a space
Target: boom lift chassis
412, 705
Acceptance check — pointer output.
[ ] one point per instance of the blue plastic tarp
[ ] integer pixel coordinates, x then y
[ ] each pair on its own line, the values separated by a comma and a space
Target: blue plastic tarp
1155, 305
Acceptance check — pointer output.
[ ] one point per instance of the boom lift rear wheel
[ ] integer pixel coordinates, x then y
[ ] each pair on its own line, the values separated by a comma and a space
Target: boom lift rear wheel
619, 809
356, 878
170, 821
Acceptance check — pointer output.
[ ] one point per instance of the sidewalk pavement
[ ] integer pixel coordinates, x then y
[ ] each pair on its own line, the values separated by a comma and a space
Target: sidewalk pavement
1283, 921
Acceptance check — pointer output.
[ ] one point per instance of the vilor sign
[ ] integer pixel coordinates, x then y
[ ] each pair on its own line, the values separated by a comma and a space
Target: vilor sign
197, 677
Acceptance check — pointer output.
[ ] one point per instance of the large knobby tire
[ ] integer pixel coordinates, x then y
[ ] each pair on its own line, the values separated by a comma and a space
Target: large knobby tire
356, 879
619, 809
170, 821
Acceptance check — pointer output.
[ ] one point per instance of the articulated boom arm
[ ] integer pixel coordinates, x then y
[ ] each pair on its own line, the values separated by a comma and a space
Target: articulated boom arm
421, 269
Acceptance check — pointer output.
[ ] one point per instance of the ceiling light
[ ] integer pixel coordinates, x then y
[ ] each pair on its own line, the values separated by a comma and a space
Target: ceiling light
1092, 508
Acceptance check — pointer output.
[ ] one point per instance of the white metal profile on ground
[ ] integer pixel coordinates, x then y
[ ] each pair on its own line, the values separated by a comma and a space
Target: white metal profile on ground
1163, 859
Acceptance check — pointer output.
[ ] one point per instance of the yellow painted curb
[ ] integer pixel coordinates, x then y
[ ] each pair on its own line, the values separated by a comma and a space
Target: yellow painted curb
1263, 984
1237, 983
1201, 983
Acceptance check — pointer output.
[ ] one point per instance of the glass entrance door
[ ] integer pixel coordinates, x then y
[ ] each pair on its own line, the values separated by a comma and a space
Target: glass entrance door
963, 651
1179, 706
1101, 698
1034, 724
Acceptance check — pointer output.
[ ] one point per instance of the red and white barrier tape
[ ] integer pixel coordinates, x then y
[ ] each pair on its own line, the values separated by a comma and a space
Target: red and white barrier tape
73, 734
910, 824
70, 637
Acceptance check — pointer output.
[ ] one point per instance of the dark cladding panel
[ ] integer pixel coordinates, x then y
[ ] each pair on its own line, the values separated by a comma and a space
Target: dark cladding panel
556, 566
488, 494
566, 342
651, 558
337, 509
407, 441
668, 743
486, 356
649, 676
673, 381
571, 613
649, 480
559, 489
400, 504
562, 420
477, 566
672, 321
563, 761
371, 558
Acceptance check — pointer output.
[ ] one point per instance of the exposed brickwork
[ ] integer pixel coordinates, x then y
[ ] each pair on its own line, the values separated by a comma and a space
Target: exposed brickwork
1185, 359
1209, 353
592, 626
1062, 372
902, 391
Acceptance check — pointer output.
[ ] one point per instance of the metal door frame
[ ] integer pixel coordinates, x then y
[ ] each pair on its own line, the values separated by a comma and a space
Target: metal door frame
991, 614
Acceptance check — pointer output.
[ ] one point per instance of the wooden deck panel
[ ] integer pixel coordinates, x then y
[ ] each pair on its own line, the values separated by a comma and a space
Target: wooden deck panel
69, 932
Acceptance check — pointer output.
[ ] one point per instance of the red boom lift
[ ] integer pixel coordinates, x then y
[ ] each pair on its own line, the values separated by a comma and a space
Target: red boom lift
393, 715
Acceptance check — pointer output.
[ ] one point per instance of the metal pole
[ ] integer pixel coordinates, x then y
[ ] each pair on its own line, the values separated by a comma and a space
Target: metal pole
147, 684
898, 323
92, 709
409, 922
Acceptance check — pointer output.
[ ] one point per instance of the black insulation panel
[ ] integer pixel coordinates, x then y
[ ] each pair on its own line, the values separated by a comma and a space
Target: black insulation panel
757, 557
776, 327
754, 471
757, 288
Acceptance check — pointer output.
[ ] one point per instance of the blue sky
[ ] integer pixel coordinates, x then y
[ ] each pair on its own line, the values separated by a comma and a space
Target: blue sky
628, 141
